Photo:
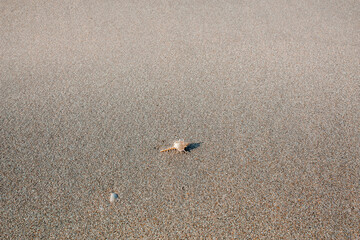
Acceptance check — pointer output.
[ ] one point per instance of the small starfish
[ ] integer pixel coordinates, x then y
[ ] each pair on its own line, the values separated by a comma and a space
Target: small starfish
178, 145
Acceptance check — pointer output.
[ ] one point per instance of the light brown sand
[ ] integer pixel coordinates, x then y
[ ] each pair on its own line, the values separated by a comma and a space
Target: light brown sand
267, 91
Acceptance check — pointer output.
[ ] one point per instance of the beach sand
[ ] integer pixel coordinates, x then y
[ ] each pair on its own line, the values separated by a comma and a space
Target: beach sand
267, 92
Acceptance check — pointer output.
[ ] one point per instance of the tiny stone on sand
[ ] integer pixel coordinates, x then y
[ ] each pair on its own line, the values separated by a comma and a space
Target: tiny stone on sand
113, 197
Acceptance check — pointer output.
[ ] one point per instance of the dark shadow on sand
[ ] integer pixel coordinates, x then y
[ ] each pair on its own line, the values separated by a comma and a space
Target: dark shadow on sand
192, 146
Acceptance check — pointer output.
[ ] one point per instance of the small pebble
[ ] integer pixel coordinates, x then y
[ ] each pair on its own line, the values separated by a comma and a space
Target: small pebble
113, 197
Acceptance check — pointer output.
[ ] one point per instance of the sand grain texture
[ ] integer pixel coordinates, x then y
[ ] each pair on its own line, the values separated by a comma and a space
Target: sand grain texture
267, 92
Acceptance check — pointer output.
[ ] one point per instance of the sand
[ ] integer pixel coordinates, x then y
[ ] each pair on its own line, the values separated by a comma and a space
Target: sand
267, 92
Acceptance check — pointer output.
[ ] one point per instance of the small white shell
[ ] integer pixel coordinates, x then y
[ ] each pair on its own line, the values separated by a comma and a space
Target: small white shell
113, 197
180, 145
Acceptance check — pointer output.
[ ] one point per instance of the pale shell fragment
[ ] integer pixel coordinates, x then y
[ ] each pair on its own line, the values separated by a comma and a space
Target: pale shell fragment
113, 197
178, 145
